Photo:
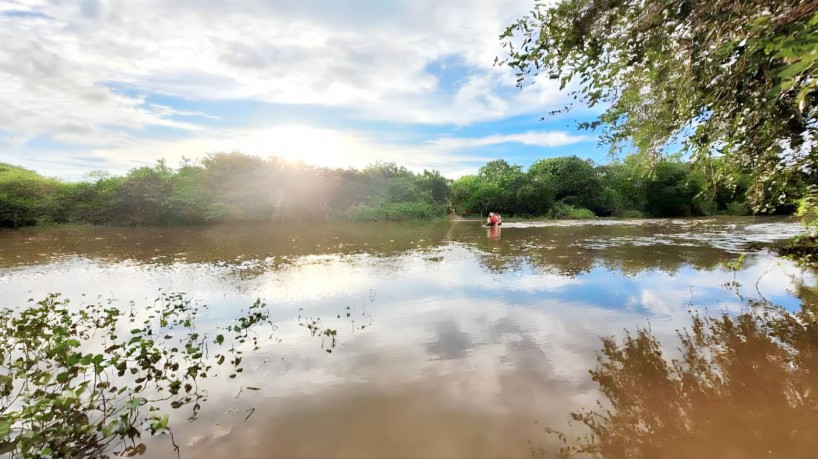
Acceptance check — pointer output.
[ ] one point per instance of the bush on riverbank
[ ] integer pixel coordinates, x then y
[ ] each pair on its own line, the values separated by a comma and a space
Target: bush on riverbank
26, 198
667, 187
567, 211
396, 211
801, 248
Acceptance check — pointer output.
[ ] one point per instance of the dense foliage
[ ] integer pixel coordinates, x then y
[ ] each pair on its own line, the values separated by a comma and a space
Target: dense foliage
225, 186
237, 187
734, 80
570, 187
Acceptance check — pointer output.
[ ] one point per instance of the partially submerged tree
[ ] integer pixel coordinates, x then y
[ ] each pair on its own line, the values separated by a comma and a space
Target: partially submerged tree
722, 78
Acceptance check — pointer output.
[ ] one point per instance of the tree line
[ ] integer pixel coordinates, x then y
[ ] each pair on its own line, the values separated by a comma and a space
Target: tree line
570, 187
222, 187
238, 187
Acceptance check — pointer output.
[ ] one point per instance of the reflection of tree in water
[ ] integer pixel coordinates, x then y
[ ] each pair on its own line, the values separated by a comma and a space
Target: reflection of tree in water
743, 386
249, 250
235, 245
633, 260
575, 250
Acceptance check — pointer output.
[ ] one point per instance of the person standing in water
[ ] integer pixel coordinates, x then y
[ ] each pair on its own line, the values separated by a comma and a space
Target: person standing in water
494, 219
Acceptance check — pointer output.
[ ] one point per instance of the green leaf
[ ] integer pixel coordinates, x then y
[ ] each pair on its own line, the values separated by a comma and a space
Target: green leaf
794, 69
219, 339
5, 427
81, 388
62, 378
163, 423
133, 403
801, 98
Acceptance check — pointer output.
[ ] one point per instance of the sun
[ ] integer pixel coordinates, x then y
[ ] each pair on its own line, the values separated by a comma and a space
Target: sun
315, 146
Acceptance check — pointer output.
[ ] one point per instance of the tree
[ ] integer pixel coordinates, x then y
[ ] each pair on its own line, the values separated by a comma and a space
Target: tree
500, 183
624, 185
573, 180
463, 193
730, 79
239, 187
435, 185
672, 190
143, 195
24, 196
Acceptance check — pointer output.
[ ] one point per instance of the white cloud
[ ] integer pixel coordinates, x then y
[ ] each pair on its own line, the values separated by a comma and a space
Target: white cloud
44, 92
319, 146
59, 62
540, 139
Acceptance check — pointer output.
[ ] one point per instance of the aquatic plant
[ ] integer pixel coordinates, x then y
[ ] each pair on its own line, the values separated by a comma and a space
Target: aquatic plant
90, 381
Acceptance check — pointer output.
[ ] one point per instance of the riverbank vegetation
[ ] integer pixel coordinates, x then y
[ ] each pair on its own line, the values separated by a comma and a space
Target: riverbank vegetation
570, 187
223, 187
731, 84
237, 187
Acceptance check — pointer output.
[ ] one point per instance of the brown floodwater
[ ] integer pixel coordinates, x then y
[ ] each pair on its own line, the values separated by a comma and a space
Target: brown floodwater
454, 340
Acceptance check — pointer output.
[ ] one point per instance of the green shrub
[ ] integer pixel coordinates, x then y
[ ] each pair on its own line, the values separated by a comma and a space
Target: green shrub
395, 211
24, 196
567, 211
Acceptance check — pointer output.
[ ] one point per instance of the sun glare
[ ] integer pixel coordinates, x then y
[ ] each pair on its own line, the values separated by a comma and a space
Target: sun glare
319, 147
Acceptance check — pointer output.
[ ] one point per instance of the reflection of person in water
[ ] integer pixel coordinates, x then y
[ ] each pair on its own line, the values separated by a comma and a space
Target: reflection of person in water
493, 232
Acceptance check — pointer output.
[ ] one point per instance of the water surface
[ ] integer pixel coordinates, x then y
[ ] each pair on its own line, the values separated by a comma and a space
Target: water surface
458, 338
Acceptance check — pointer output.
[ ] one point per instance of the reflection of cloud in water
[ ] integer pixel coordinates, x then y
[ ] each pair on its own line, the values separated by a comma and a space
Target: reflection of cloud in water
730, 237
451, 342
456, 359
383, 396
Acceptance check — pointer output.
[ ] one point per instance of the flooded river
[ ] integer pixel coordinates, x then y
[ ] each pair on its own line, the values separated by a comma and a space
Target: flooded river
452, 339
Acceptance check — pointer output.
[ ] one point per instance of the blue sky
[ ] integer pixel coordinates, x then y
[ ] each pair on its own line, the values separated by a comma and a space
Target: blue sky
93, 84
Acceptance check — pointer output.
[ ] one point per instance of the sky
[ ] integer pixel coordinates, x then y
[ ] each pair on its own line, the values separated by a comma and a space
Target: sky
111, 85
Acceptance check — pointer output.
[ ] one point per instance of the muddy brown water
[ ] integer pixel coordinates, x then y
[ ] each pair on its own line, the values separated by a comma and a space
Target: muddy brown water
461, 341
